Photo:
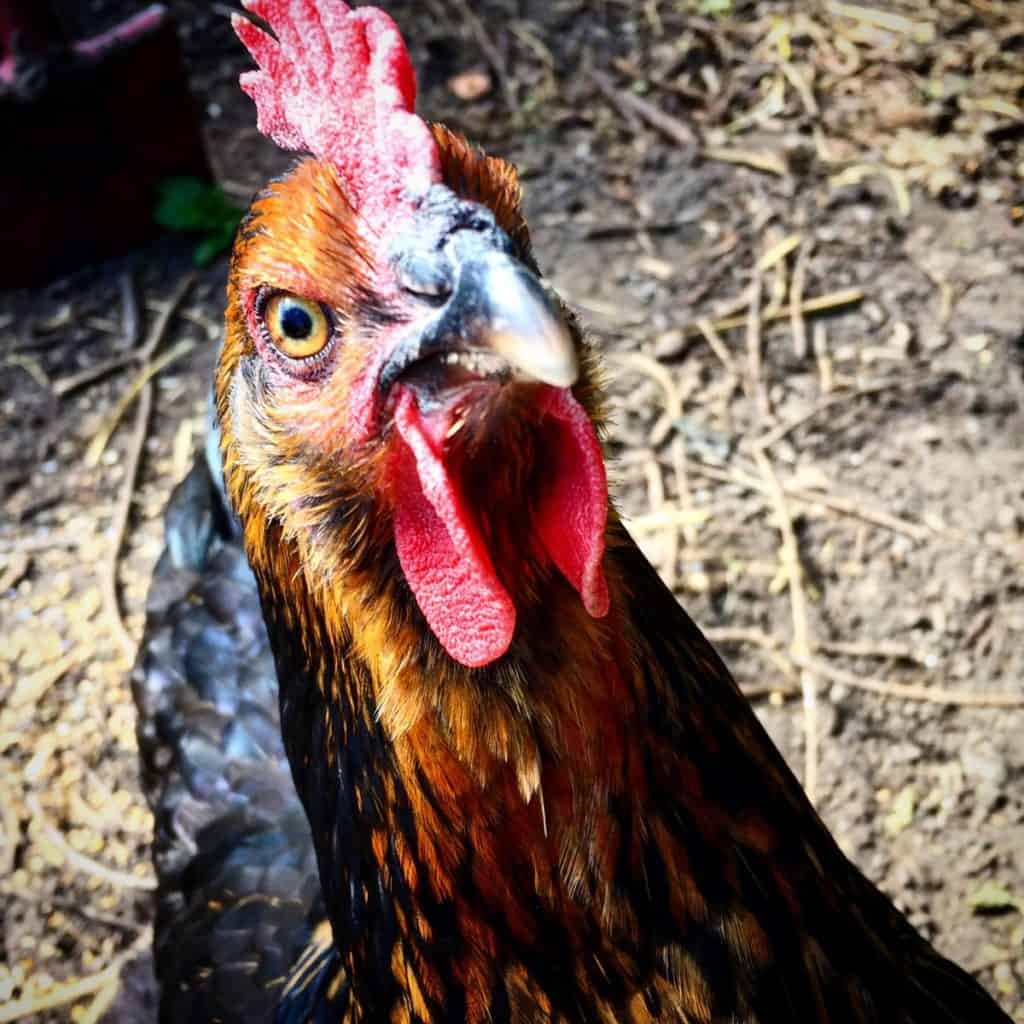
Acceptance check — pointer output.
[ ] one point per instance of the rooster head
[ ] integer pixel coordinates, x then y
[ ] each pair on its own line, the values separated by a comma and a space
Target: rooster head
396, 376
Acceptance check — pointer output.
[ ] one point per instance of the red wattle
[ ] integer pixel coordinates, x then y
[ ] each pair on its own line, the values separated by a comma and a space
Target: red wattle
442, 555
573, 508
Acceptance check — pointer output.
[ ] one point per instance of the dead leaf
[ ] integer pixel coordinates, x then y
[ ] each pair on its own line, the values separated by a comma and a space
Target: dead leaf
470, 85
902, 814
993, 896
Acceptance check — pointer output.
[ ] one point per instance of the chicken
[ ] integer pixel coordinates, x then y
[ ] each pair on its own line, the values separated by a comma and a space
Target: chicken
239, 898
526, 789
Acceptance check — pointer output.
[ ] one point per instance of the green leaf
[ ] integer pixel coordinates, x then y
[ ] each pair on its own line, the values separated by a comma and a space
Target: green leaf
188, 205
206, 251
993, 896
214, 244
182, 204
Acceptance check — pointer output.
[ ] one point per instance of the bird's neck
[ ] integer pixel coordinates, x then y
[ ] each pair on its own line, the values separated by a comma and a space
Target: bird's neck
462, 818
544, 831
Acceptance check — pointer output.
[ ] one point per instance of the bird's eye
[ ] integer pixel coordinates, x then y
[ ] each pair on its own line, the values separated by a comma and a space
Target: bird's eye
298, 327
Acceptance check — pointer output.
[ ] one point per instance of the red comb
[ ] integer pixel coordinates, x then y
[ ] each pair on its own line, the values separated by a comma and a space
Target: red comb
338, 83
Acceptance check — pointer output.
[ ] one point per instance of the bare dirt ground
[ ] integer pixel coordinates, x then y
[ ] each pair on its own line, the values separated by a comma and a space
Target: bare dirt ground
797, 235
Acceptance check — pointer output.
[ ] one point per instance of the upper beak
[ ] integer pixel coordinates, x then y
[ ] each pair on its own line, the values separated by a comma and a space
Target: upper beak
505, 308
492, 303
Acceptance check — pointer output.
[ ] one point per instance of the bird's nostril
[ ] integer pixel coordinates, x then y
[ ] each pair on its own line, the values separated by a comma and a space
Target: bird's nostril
425, 274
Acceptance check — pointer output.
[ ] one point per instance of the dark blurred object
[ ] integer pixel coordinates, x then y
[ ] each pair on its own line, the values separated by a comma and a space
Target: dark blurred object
91, 128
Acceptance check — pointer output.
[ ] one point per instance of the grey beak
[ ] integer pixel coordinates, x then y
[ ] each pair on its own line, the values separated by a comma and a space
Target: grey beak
487, 300
509, 312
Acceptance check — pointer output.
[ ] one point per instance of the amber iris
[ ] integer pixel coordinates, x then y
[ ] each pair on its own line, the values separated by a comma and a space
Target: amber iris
298, 327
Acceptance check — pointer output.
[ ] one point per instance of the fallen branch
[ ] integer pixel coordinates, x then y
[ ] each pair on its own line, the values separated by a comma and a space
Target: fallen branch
629, 103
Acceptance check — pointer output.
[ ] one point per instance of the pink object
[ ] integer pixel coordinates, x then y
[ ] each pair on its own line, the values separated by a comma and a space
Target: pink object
39, 27
95, 125
35, 27
438, 541
128, 31
338, 83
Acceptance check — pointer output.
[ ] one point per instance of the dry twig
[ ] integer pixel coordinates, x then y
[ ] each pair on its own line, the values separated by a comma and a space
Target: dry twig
67, 385
12, 831
640, 362
796, 301
912, 691
715, 343
122, 508
144, 355
822, 358
30, 688
490, 51
17, 566
857, 649
632, 106
819, 304
138, 384
691, 522
801, 645
119, 523
855, 508
901, 691
759, 160
757, 387
834, 398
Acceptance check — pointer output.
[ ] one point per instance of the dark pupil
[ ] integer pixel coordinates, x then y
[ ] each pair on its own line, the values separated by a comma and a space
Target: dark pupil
296, 323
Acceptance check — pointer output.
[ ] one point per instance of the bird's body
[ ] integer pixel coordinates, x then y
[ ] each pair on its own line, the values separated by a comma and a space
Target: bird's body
533, 791
686, 812
239, 898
